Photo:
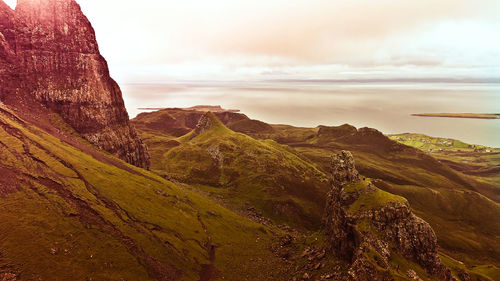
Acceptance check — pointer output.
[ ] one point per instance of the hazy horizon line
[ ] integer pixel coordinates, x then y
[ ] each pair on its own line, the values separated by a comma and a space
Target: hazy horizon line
368, 80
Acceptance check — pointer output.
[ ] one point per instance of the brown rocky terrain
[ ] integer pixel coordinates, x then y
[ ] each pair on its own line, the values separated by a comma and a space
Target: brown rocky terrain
49, 55
368, 234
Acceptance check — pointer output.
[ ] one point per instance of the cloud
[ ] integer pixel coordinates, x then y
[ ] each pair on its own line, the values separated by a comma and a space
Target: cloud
235, 36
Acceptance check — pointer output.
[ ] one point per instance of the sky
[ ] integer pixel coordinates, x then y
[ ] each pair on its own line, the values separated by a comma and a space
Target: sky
219, 40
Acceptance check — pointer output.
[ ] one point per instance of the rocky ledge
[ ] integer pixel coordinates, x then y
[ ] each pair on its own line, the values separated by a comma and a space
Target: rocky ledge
366, 227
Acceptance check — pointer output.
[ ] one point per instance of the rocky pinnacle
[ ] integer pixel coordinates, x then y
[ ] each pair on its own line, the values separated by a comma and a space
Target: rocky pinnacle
393, 223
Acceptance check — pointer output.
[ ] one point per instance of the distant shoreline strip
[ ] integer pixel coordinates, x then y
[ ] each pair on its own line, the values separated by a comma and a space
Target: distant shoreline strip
460, 115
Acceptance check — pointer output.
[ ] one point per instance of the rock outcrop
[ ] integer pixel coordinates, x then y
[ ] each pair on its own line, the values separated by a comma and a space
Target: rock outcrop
8, 277
49, 55
344, 169
364, 234
206, 122
341, 236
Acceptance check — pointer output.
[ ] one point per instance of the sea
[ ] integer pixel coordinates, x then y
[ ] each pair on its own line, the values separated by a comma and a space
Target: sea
386, 106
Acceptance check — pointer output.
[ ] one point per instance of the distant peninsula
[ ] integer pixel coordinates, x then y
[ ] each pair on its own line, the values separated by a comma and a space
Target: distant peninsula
461, 115
202, 108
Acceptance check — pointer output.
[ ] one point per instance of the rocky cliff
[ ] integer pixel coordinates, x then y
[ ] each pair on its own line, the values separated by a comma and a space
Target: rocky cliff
49, 55
6, 52
368, 228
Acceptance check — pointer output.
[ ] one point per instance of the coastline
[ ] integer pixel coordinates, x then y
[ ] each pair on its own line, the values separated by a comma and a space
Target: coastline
460, 115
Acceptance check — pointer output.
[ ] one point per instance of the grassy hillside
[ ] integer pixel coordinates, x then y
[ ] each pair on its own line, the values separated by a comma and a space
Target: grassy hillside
478, 162
68, 212
448, 198
434, 145
177, 122
244, 171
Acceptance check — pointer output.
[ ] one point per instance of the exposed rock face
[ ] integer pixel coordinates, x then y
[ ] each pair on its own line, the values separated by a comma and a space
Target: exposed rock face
51, 50
412, 236
413, 275
216, 155
343, 169
205, 123
363, 238
8, 277
7, 55
341, 237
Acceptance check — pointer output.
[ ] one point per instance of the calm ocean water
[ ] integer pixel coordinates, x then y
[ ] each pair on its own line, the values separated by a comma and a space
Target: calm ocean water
384, 106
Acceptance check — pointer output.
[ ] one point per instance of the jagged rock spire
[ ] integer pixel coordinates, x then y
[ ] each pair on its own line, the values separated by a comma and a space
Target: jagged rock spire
340, 236
206, 123
391, 222
343, 169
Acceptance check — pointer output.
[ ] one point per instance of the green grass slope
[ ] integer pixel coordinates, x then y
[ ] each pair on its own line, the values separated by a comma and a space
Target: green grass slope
69, 212
432, 144
177, 122
245, 171
460, 201
465, 221
480, 163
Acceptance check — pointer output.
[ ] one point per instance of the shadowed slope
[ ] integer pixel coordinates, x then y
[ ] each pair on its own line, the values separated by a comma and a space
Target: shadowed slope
66, 215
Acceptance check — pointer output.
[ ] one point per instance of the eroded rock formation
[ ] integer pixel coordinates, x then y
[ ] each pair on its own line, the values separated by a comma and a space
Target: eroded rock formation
340, 235
344, 169
206, 122
365, 237
49, 54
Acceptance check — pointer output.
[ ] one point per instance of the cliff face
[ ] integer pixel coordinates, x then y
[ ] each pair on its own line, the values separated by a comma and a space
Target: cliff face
51, 50
366, 226
6, 53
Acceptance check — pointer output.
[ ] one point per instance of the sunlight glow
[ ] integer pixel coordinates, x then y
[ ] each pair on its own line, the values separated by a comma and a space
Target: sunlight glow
11, 3
261, 39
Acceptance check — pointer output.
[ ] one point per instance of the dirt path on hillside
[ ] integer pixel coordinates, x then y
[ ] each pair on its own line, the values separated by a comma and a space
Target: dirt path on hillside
208, 271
